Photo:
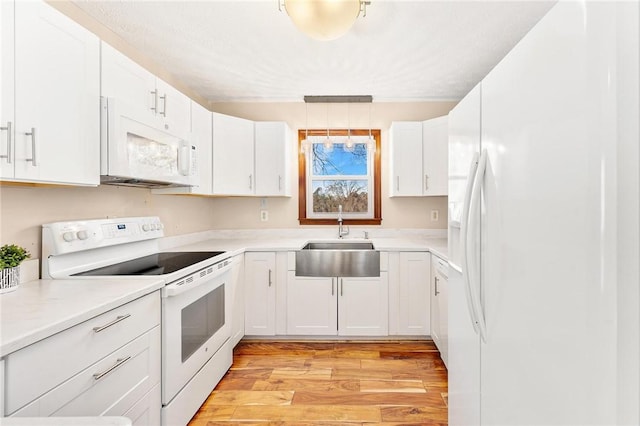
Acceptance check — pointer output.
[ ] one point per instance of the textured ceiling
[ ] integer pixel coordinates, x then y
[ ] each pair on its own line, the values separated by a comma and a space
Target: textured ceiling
249, 51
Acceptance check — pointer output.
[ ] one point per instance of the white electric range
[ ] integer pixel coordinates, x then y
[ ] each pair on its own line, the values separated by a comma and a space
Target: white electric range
196, 351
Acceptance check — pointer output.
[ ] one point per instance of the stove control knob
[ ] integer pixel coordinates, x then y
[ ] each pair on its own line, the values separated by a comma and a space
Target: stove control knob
146, 227
82, 235
68, 236
153, 227
159, 226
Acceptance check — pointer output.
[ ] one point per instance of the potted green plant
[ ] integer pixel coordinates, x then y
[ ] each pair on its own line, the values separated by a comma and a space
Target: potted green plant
11, 256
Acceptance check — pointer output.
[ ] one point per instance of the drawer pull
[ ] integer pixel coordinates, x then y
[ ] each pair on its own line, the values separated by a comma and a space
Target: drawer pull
118, 363
115, 321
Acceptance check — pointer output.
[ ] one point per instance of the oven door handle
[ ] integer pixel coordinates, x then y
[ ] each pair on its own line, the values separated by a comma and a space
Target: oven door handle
183, 285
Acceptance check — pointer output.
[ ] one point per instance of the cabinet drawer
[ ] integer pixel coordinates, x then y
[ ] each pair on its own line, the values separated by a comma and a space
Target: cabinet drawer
110, 387
34, 370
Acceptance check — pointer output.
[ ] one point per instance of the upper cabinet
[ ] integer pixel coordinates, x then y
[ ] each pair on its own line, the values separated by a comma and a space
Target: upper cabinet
233, 172
124, 79
419, 158
50, 125
435, 156
272, 158
250, 158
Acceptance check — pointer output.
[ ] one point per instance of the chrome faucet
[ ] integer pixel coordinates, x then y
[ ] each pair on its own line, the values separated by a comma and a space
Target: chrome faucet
341, 231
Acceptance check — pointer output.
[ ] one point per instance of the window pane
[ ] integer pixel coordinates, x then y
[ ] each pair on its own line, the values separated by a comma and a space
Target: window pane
352, 194
339, 160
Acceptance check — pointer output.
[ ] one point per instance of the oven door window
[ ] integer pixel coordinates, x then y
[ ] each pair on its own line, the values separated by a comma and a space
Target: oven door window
200, 320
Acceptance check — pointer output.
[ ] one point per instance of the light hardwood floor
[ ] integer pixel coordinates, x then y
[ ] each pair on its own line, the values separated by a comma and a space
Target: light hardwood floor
330, 383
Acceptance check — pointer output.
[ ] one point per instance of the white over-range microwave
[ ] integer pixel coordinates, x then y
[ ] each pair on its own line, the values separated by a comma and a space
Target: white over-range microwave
136, 150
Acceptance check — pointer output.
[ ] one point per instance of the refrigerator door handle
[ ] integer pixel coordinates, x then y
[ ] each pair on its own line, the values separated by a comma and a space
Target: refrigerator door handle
464, 228
472, 233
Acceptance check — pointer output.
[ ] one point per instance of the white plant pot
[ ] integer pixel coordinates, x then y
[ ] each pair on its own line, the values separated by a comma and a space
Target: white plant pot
9, 279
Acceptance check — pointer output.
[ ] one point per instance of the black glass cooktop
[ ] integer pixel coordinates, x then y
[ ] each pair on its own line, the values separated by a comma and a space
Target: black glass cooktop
154, 264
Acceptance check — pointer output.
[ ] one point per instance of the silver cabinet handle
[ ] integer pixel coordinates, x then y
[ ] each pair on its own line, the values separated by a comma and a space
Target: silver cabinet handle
426, 182
32, 133
332, 287
155, 101
436, 286
164, 105
397, 183
118, 363
115, 321
8, 129
270, 278
279, 183
250, 181
341, 287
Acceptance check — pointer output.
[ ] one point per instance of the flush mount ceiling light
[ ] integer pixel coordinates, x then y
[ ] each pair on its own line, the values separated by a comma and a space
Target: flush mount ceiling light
324, 19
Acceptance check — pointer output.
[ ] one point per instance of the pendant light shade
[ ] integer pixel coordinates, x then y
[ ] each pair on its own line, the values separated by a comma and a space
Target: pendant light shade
323, 19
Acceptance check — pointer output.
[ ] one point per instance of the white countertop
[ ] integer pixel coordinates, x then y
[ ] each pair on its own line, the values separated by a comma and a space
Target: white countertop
39, 309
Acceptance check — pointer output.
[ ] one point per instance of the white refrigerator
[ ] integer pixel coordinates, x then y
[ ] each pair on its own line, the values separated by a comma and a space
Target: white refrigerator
543, 210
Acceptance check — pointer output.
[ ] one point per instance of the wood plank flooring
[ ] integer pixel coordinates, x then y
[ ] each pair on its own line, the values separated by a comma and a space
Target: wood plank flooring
330, 383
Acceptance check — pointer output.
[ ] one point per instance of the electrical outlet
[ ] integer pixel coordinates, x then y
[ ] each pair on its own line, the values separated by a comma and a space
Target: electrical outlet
264, 215
434, 215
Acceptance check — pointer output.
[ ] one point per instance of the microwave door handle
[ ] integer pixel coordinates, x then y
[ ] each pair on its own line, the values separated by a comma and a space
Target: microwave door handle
184, 159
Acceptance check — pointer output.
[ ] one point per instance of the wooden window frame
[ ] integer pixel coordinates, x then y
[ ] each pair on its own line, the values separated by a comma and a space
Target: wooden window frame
302, 178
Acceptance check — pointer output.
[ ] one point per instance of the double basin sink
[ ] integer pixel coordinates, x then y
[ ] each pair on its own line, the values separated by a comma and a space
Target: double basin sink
343, 258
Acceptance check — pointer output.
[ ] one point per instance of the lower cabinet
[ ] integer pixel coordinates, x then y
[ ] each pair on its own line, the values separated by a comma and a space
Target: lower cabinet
265, 276
439, 306
344, 306
409, 293
106, 366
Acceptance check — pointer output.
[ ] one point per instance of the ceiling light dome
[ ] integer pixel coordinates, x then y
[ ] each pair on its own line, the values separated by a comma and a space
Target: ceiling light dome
323, 19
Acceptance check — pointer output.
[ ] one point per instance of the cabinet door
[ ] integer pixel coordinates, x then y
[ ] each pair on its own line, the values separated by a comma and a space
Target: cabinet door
436, 305
57, 97
414, 292
7, 117
406, 159
260, 300
272, 154
435, 151
363, 306
443, 310
312, 307
232, 156
174, 107
125, 80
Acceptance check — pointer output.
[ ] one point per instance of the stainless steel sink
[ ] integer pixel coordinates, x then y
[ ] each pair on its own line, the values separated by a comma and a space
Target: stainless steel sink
338, 259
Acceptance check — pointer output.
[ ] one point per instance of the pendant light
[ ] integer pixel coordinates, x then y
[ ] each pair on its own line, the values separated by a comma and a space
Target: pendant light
328, 143
349, 144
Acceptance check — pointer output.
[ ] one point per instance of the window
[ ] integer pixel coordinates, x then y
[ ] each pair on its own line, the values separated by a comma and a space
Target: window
333, 175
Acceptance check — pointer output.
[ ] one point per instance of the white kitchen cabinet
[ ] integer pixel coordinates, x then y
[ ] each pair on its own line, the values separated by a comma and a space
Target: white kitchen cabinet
233, 156
272, 153
237, 299
405, 150
435, 152
363, 306
439, 305
419, 158
409, 293
50, 97
114, 364
312, 306
345, 306
260, 293
124, 79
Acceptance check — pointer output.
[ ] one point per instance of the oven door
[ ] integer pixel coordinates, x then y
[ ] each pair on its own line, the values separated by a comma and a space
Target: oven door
195, 324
